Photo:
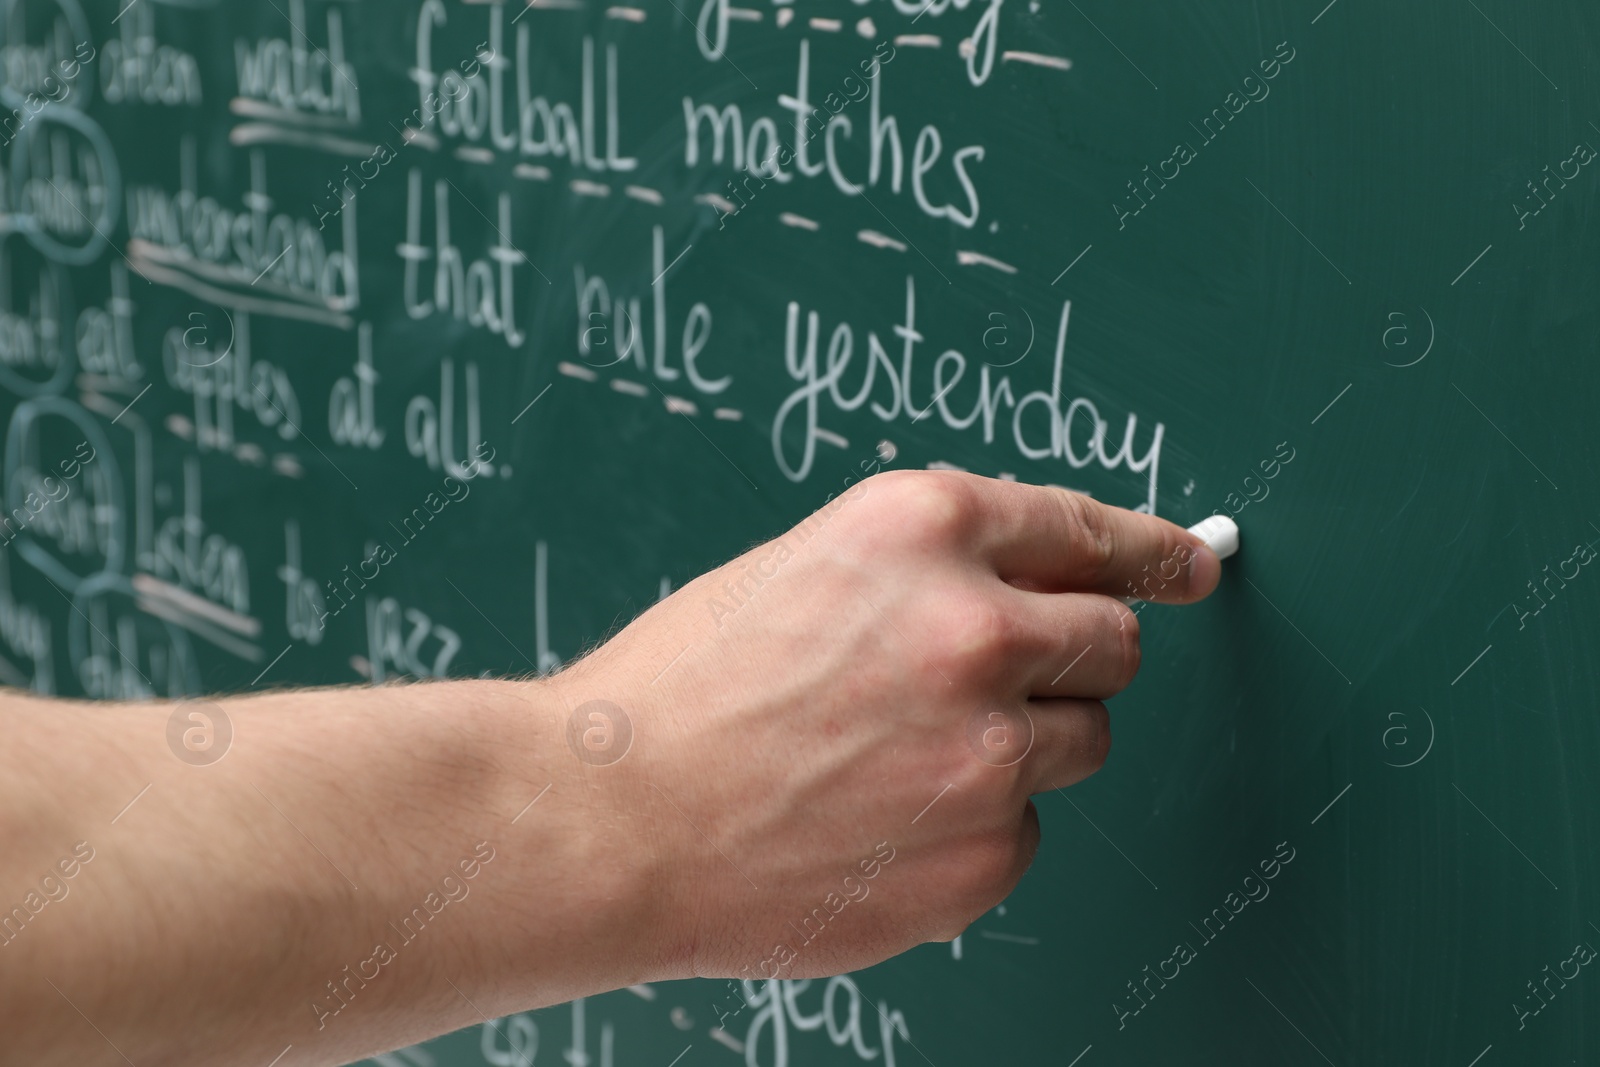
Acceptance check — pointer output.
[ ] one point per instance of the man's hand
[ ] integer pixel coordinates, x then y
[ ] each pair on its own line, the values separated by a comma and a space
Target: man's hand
799, 764
835, 736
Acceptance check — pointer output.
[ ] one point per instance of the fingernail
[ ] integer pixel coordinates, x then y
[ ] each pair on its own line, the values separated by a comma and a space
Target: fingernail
1205, 571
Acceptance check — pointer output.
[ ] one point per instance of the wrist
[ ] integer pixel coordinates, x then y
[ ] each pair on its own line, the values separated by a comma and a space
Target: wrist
583, 894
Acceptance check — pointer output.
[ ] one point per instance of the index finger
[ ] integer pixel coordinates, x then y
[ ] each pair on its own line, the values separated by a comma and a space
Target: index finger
1061, 540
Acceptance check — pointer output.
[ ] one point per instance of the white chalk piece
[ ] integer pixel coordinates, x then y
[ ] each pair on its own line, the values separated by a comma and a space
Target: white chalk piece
1221, 535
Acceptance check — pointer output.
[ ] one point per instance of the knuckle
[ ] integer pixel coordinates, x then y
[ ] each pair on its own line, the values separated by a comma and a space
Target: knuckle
951, 923
973, 637
1101, 749
971, 776
994, 778
989, 868
1132, 652
936, 508
992, 871
1030, 836
1094, 543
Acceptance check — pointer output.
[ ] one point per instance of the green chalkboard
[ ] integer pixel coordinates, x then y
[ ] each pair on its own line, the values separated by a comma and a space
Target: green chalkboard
667, 275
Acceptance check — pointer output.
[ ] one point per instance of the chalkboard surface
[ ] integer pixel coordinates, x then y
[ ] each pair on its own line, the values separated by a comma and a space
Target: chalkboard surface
276, 275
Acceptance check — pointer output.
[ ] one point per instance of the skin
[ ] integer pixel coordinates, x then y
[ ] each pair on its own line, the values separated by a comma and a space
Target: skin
913, 664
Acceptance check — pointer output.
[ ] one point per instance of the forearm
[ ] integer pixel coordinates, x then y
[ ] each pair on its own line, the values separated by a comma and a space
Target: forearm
818, 756
352, 855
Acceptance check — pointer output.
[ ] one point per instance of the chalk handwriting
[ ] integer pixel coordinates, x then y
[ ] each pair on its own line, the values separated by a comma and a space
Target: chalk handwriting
297, 73
1044, 425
